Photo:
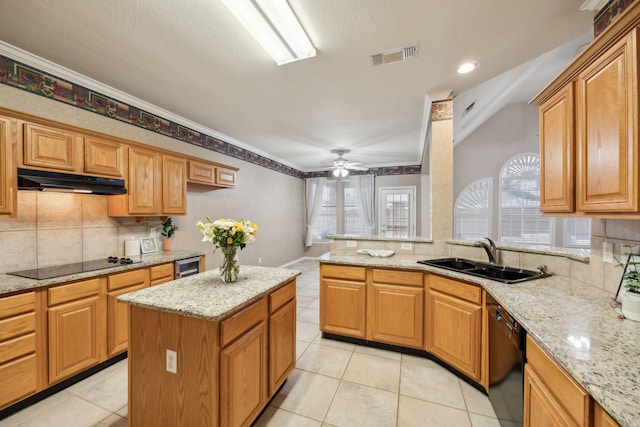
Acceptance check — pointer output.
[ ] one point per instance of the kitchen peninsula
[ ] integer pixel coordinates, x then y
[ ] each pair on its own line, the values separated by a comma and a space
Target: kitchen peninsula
204, 352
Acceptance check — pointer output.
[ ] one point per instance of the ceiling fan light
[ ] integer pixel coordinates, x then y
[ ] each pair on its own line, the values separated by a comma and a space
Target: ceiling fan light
336, 172
344, 173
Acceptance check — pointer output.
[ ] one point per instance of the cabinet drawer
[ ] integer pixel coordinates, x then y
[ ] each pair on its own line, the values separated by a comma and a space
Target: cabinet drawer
461, 290
408, 278
280, 297
162, 271
20, 346
569, 393
127, 279
17, 325
242, 321
74, 291
18, 379
17, 304
342, 272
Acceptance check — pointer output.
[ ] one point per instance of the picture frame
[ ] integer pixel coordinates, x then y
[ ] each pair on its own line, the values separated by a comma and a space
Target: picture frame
148, 245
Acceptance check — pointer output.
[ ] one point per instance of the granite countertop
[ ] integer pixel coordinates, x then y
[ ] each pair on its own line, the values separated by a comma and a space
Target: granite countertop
10, 283
573, 322
205, 296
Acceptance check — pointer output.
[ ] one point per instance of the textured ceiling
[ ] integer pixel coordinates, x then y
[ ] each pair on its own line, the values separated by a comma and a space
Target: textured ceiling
193, 59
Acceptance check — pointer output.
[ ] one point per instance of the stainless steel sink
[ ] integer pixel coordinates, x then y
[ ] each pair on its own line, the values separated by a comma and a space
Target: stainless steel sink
499, 273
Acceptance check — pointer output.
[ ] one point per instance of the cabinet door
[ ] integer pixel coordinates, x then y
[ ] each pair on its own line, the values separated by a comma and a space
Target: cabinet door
76, 337
541, 409
174, 185
77, 327
557, 173
343, 307
395, 315
454, 329
117, 312
225, 177
51, 148
243, 378
282, 345
104, 157
8, 184
602, 419
202, 173
145, 182
161, 273
607, 172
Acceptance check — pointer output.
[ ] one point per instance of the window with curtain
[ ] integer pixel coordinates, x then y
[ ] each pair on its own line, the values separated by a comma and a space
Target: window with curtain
326, 223
520, 220
472, 213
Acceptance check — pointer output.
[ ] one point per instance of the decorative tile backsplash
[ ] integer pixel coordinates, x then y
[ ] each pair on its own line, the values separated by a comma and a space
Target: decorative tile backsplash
60, 228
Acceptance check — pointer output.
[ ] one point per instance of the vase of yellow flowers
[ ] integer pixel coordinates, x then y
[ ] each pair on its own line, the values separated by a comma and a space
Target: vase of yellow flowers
228, 235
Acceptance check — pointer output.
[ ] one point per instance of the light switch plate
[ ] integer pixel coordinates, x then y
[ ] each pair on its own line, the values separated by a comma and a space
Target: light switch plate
406, 246
607, 252
351, 243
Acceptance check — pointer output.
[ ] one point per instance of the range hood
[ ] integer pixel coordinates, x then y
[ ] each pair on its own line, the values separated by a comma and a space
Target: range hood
30, 179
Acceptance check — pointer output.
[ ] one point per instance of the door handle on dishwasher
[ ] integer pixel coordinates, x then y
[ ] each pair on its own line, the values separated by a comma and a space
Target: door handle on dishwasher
187, 272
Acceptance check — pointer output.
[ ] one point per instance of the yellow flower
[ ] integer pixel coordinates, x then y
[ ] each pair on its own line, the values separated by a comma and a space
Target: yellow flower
238, 226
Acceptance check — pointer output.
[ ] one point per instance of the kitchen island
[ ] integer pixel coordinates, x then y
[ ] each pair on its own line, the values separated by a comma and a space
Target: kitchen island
204, 352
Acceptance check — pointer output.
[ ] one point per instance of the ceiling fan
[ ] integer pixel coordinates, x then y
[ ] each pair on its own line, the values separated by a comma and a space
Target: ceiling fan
342, 166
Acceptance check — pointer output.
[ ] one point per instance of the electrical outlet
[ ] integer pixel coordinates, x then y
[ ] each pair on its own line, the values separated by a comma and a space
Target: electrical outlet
352, 244
259, 260
172, 361
607, 252
406, 246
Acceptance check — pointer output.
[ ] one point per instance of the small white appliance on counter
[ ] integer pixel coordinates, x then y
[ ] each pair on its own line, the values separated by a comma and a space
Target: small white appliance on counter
187, 267
131, 247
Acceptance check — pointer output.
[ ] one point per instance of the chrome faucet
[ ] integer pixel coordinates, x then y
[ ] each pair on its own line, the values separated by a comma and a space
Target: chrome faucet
489, 248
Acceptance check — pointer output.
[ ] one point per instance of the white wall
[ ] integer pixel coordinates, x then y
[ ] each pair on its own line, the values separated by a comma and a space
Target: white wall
271, 199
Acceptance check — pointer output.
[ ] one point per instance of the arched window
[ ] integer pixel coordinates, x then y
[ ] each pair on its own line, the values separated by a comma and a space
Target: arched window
519, 214
472, 211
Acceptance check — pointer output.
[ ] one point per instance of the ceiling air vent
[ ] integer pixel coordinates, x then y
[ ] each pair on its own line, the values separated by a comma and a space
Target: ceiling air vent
469, 108
394, 55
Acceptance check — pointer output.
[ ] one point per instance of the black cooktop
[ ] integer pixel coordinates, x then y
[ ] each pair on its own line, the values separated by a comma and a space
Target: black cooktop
75, 268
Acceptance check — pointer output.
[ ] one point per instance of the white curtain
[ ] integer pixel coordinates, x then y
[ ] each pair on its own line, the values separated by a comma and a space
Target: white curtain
313, 203
364, 188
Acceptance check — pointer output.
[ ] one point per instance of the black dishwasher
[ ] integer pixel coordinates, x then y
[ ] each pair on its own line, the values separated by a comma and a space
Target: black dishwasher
507, 341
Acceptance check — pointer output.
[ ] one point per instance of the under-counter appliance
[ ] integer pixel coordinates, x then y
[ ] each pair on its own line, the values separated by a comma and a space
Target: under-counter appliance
188, 267
74, 268
507, 341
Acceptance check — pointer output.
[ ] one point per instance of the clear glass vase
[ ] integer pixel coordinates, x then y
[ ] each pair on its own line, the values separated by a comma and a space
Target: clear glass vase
230, 269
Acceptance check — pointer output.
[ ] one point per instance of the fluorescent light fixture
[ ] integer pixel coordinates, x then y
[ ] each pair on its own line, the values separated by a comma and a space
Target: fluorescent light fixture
274, 25
467, 67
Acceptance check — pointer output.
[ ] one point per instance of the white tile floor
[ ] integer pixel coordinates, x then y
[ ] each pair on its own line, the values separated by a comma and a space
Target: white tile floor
334, 384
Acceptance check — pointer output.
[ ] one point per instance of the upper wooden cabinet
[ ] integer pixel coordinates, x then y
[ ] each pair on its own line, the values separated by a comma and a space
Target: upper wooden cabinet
589, 128
8, 184
211, 174
557, 152
174, 185
607, 178
104, 157
157, 185
51, 148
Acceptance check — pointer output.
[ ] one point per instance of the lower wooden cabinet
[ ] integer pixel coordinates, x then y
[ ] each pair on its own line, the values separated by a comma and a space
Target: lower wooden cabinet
454, 324
551, 397
601, 418
19, 351
77, 327
343, 300
117, 312
395, 308
161, 273
282, 336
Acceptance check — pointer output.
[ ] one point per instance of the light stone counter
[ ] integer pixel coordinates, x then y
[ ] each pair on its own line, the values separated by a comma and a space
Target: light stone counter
10, 283
573, 322
206, 297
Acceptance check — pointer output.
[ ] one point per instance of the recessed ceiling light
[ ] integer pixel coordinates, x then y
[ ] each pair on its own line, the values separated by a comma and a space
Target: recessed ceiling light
467, 67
